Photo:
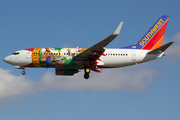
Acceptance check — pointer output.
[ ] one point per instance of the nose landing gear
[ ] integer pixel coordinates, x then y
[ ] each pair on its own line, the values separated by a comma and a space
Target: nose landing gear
23, 72
19, 67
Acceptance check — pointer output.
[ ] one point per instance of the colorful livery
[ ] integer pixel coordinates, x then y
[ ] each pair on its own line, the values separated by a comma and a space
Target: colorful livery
68, 61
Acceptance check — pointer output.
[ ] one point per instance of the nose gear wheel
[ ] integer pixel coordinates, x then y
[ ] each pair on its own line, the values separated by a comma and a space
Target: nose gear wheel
23, 72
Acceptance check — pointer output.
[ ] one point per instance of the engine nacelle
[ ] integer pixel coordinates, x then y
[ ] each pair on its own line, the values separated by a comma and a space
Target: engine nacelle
60, 71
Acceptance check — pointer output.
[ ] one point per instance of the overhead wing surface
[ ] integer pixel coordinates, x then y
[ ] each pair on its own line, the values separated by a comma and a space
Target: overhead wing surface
99, 47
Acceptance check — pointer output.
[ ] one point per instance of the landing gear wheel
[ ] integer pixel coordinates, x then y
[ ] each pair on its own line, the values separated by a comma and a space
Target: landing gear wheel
23, 72
86, 75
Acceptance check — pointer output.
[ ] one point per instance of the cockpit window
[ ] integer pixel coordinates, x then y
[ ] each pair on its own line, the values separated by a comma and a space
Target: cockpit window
16, 53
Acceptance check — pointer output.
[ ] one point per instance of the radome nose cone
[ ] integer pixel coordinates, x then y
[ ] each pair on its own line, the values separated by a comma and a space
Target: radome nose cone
6, 59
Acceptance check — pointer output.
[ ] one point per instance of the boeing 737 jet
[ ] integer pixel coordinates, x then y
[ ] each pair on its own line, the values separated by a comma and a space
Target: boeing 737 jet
68, 61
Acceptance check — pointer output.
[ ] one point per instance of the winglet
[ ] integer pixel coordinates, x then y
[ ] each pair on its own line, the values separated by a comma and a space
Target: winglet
117, 31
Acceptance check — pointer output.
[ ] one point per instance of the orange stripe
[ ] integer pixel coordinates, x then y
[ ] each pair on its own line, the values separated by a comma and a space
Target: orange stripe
159, 43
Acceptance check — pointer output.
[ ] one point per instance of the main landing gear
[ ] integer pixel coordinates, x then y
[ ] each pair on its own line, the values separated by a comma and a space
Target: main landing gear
23, 72
86, 74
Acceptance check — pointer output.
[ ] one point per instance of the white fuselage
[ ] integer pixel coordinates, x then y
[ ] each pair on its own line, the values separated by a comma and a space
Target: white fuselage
114, 58
126, 57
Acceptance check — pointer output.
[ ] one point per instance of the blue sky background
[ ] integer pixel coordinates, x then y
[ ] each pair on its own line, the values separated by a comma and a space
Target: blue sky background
148, 91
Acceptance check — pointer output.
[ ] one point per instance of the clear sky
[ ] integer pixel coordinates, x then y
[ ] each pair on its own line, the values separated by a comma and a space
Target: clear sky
149, 91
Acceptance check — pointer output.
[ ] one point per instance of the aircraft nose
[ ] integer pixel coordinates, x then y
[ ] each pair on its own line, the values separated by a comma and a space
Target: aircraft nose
7, 59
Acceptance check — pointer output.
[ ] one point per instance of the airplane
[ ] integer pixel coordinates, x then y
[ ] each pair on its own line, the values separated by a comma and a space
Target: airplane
68, 61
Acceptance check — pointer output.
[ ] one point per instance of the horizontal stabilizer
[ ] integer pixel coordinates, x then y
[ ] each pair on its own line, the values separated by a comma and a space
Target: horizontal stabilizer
160, 49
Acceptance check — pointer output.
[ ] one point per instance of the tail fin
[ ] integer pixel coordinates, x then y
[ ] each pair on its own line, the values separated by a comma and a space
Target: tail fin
154, 37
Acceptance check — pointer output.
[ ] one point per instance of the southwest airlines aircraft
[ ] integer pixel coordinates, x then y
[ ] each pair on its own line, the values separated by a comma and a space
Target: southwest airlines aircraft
68, 61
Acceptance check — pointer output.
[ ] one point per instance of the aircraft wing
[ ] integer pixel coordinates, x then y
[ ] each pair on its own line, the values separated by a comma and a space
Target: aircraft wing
99, 47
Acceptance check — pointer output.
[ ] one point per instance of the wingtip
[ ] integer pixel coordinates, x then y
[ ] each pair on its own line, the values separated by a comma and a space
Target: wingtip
118, 29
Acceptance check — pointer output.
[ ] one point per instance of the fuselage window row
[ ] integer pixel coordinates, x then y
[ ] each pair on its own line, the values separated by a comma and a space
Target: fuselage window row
115, 54
107, 54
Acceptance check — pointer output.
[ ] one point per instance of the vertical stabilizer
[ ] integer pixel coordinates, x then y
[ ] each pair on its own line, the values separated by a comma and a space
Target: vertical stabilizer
154, 37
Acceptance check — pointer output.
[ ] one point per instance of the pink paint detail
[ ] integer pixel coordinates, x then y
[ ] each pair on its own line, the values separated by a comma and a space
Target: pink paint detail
92, 61
98, 71
29, 49
20, 67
